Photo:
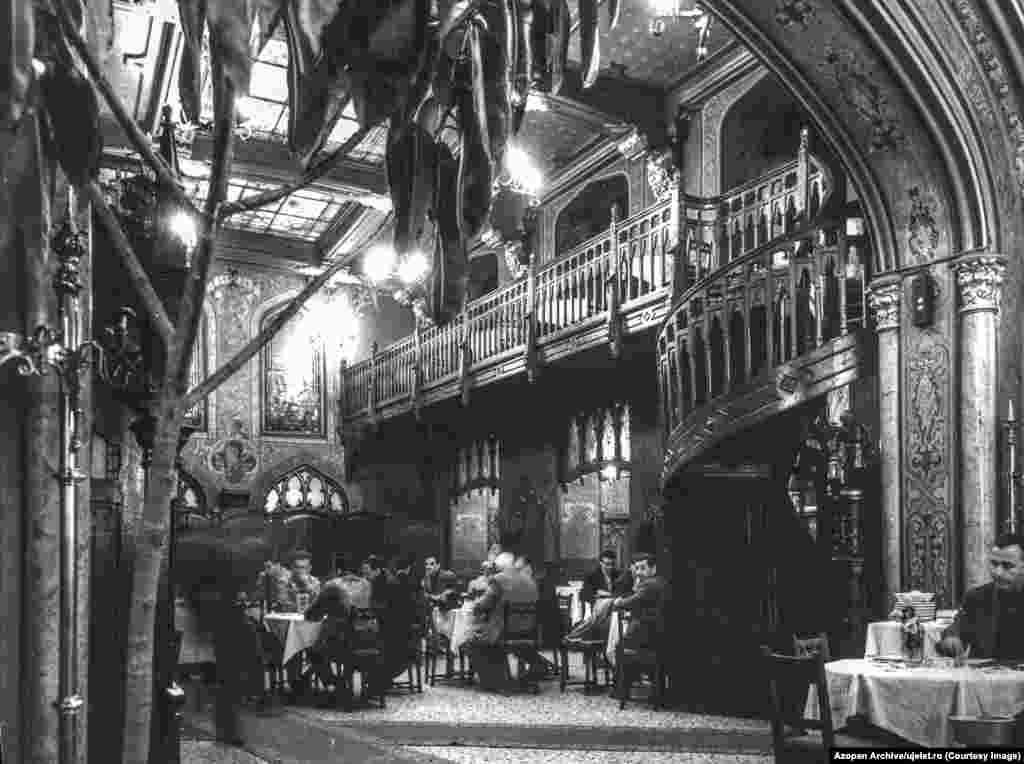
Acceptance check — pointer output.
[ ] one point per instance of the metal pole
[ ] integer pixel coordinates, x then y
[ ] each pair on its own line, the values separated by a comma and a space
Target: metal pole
70, 250
1011, 469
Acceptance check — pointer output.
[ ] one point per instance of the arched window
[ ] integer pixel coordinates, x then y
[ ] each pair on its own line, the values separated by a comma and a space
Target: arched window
305, 491
190, 507
595, 500
475, 503
293, 371
198, 415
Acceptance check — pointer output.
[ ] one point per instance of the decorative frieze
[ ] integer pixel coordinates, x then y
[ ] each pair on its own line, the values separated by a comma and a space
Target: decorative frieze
660, 175
979, 280
884, 299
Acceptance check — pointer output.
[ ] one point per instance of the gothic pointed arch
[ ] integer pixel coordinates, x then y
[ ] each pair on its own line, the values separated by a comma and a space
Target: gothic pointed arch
191, 508
304, 491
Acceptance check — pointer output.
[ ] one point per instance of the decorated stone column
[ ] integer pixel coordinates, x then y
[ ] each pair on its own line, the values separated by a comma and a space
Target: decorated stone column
979, 279
885, 301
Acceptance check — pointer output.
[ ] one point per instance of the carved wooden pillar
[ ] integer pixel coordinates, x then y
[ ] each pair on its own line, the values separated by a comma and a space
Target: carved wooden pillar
885, 306
979, 278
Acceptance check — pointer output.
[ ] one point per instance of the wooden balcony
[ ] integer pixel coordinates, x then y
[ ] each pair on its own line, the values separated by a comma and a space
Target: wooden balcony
760, 333
617, 283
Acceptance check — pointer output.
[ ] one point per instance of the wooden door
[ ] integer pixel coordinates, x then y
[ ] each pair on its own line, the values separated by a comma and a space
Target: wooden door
745, 574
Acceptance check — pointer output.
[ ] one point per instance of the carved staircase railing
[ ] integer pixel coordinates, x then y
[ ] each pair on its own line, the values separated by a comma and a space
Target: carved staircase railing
615, 283
759, 334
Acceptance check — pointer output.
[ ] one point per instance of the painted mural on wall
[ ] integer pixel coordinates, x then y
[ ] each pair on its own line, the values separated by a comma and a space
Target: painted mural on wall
236, 453
235, 456
927, 482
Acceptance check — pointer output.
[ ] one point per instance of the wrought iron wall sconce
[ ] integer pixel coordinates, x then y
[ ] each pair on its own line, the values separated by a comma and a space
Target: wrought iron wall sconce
1011, 427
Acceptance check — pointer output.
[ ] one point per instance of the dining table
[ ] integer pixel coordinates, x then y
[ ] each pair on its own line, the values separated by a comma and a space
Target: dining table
611, 646
294, 631
915, 700
461, 622
884, 639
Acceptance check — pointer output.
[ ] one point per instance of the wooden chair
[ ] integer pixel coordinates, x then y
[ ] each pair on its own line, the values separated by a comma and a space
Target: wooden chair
630, 662
521, 637
794, 673
816, 645
416, 656
362, 652
590, 650
438, 645
272, 654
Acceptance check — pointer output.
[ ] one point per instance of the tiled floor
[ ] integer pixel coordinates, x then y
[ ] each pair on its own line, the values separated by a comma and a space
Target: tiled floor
209, 752
466, 755
462, 725
457, 705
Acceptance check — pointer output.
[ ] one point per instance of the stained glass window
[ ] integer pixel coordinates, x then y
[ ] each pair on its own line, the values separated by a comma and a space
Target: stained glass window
474, 528
305, 490
294, 368
594, 517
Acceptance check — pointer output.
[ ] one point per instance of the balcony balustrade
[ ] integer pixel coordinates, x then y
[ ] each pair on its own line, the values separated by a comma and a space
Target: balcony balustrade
617, 283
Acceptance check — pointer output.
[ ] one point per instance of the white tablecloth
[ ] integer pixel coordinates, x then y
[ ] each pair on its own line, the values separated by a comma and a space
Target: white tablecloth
885, 638
294, 631
916, 702
462, 619
613, 637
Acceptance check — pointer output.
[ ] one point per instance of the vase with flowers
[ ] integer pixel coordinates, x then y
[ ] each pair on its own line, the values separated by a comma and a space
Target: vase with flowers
913, 636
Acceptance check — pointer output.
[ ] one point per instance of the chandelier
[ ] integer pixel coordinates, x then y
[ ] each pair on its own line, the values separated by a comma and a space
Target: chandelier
667, 12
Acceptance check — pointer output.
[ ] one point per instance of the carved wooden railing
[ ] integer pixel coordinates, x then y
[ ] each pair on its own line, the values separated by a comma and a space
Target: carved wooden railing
719, 230
588, 295
758, 334
587, 286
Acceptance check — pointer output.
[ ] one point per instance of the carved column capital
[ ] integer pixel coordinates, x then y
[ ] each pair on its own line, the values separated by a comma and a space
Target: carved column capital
884, 296
979, 281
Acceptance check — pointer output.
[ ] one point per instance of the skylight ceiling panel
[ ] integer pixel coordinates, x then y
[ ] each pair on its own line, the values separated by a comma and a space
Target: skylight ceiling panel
306, 206
274, 52
269, 82
342, 131
267, 117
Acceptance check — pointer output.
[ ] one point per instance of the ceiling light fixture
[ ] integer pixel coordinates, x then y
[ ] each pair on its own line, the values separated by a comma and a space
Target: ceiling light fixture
520, 174
379, 263
666, 12
413, 268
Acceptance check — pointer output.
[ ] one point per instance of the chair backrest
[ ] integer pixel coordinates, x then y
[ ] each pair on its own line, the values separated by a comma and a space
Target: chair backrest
363, 628
520, 621
788, 674
816, 645
565, 612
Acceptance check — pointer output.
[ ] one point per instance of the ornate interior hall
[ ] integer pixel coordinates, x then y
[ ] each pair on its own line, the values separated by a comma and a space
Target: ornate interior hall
733, 285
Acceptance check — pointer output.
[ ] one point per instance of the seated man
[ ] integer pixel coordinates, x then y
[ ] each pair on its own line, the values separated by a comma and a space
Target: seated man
302, 589
507, 585
302, 585
991, 619
331, 605
436, 586
594, 624
646, 605
602, 581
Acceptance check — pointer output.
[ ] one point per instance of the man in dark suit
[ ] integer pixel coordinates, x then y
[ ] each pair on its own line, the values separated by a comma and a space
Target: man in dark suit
439, 586
991, 618
646, 604
601, 582
508, 585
